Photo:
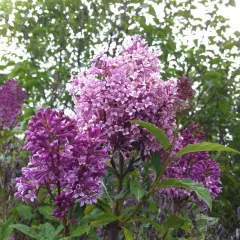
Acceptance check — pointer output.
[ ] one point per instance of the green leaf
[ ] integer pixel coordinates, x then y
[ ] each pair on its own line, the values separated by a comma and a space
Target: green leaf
93, 215
103, 205
46, 211
204, 147
104, 219
237, 33
80, 230
146, 220
228, 44
127, 234
26, 230
46, 230
174, 221
122, 194
6, 229
136, 189
156, 163
212, 75
232, 3
198, 188
24, 211
59, 229
125, 212
203, 222
156, 132
89, 208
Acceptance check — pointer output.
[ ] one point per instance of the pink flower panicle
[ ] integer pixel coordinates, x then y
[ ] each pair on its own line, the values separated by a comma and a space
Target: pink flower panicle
126, 87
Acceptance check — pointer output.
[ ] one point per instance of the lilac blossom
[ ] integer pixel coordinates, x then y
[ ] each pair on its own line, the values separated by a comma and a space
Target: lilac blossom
195, 166
62, 158
11, 100
116, 90
62, 204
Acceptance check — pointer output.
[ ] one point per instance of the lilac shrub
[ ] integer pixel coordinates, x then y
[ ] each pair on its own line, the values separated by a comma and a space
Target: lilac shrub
12, 97
11, 100
68, 155
62, 158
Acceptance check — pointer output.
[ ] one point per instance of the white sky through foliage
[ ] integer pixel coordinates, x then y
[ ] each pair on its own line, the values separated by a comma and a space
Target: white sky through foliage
229, 12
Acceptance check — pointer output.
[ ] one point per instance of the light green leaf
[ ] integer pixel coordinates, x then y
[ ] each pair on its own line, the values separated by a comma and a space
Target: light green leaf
198, 188
136, 189
89, 208
204, 147
156, 132
104, 220
127, 234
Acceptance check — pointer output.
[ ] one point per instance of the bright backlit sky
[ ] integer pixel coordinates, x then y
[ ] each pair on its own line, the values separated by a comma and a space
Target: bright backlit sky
233, 13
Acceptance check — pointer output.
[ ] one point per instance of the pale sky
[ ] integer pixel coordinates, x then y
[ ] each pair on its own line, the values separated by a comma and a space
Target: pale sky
233, 13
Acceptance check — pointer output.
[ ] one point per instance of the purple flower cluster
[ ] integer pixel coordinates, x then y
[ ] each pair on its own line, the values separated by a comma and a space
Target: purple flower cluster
11, 100
196, 166
116, 90
62, 204
185, 90
62, 158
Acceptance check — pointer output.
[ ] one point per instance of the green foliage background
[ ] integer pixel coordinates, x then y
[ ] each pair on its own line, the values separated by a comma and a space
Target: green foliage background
58, 38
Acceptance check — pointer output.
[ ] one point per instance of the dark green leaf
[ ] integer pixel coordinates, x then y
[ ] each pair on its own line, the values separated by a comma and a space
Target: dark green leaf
156, 132
232, 3
146, 220
6, 229
156, 163
26, 230
136, 189
25, 211
174, 221
46, 211
46, 230
204, 147
200, 191
92, 215
122, 194
80, 230
104, 220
